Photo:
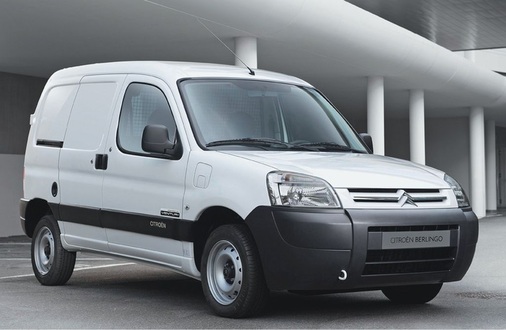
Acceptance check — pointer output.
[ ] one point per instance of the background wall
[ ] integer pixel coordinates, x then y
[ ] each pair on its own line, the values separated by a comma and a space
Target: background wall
11, 190
18, 98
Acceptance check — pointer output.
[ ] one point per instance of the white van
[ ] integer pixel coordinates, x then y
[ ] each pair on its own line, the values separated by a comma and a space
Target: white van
248, 181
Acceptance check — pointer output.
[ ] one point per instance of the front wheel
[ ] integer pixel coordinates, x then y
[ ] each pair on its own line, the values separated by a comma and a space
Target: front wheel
51, 263
414, 294
232, 275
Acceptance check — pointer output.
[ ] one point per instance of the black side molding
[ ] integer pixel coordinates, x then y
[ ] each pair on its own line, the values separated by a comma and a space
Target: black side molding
178, 229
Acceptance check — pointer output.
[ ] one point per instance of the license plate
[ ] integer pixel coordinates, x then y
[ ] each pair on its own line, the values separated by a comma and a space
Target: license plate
415, 239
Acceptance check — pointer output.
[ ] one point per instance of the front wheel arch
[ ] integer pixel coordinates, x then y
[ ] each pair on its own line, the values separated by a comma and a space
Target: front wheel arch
209, 220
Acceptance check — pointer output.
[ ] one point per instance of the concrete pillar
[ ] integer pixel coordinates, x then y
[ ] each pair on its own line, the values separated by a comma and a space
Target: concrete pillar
376, 113
491, 166
477, 155
417, 126
246, 50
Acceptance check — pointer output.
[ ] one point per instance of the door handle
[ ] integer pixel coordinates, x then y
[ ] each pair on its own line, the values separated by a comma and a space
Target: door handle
101, 162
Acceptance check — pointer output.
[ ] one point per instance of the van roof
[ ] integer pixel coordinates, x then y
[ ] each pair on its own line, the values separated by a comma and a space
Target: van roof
174, 71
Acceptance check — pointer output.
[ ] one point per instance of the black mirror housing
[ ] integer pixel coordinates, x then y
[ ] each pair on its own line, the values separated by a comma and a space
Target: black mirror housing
155, 140
367, 140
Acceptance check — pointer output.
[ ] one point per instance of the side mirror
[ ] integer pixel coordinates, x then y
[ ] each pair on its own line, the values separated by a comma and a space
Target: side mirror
367, 140
155, 139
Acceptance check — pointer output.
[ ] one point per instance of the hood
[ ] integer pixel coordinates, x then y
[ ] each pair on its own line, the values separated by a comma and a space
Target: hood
347, 170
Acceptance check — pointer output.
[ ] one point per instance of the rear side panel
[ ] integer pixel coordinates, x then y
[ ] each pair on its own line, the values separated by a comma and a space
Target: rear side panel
48, 127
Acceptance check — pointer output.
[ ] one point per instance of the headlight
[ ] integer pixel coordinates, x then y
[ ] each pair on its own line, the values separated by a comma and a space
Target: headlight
462, 200
291, 189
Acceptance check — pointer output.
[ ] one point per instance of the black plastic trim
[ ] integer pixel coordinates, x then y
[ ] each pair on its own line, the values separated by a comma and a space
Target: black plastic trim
81, 215
181, 230
308, 249
177, 229
55, 209
301, 249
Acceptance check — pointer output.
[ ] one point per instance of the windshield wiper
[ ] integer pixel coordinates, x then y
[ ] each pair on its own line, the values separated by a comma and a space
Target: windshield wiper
330, 146
260, 143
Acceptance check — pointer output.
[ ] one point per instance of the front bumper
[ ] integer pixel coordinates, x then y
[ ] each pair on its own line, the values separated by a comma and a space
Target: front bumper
340, 250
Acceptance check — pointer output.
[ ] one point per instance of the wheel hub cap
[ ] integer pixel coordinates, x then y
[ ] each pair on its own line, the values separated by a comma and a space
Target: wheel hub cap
224, 272
43, 248
229, 272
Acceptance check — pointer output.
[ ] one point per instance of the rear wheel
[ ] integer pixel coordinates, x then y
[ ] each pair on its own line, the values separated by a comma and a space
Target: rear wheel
232, 276
51, 263
414, 294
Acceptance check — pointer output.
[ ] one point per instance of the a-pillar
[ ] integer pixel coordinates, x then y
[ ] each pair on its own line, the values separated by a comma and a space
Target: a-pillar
246, 51
376, 113
477, 155
491, 174
417, 126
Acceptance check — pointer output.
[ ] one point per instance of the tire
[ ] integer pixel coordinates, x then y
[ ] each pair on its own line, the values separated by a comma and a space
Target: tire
232, 276
51, 263
415, 294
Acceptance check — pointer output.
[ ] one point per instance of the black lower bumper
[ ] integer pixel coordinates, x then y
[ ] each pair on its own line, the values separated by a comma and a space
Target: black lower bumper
340, 250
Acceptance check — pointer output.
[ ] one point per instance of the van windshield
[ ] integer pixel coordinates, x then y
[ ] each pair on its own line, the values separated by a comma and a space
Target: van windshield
242, 114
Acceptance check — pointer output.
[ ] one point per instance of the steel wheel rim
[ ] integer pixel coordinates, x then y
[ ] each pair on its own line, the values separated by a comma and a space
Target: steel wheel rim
44, 250
224, 272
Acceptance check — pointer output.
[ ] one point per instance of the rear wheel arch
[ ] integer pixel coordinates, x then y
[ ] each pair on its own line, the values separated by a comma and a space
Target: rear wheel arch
35, 210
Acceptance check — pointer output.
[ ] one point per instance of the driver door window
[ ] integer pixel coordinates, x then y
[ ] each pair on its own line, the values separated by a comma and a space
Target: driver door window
143, 105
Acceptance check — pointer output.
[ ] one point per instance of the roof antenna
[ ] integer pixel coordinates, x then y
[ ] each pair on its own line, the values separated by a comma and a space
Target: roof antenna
251, 72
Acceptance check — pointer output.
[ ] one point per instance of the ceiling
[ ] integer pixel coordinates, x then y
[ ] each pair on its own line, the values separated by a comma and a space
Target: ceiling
453, 24
38, 37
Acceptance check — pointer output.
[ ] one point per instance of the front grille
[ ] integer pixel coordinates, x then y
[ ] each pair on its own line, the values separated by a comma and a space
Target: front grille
408, 261
398, 197
383, 262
